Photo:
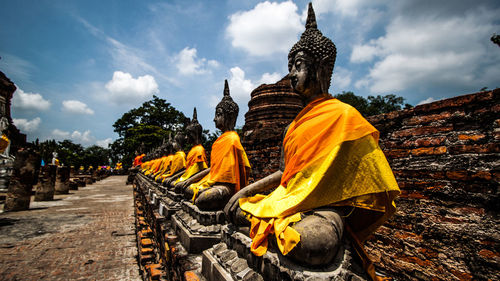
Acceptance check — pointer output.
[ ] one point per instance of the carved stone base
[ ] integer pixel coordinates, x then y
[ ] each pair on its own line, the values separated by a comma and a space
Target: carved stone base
194, 238
197, 230
232, 257
169, 204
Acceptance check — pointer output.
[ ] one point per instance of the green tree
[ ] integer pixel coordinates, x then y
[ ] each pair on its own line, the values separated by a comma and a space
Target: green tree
70, 154
373, 105
96, 156
148, 124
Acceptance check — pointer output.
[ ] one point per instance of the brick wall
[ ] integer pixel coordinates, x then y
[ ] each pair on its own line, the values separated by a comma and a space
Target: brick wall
445, 156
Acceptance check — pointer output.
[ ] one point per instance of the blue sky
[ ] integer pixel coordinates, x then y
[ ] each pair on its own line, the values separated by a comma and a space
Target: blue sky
79, 65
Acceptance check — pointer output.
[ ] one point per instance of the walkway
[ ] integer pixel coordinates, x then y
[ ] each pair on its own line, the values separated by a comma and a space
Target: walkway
86, 235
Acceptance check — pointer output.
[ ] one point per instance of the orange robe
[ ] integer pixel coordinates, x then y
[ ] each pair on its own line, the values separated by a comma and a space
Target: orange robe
164, 166
195, 162
332, 158
155, 166
178, 162
229, 164
138, 159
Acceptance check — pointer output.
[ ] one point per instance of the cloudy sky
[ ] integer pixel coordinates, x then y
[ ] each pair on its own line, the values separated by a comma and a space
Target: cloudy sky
79, 65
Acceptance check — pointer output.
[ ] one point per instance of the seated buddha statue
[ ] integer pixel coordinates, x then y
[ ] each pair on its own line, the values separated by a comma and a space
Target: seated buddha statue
166, 151
196, 160
178, 162
334, 179
229, 167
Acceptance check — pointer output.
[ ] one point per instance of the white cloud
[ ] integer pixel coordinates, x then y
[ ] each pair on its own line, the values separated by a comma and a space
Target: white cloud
364, 53
123, 88
240, 87
26, 125
29, 101
266, 29
104, 143
432, 51
124, 56
427, 100
270, 78
83, 138
341, 79
78, 107
343, 7
187, 62
60, 135
16, 67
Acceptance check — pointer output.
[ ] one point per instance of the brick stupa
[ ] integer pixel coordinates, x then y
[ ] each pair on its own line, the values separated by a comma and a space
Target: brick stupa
271, 108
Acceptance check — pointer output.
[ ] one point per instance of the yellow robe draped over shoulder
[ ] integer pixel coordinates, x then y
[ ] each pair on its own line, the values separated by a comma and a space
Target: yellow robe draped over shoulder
155, 165
195, 162
332, 158
164, 166
229, 164
178, 163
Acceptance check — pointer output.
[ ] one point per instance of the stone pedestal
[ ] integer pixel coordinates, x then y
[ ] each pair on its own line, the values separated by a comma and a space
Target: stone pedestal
62, 180
73, 185
45, 188
232, 260
197, 230
23, 177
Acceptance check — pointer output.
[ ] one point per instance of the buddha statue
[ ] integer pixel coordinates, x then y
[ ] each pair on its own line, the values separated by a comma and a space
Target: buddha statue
333, 180
229, 167
163, 159
196, 161
178, 161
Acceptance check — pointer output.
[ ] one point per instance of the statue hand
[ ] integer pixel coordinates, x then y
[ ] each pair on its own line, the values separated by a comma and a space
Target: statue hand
233, 204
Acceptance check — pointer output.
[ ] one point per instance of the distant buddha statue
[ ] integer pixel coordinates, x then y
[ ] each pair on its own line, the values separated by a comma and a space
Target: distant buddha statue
196, 159
55, 161
229, 167
334, 178
4, 140
162, 159
178, 161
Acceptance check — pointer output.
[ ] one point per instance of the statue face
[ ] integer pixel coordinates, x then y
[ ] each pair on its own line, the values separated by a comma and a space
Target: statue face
303, 76
220, 119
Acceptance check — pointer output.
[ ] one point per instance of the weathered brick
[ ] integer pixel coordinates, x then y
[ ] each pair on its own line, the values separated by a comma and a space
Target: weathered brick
462, 276
458, 175
423, 119
484, 175
425, 130
475, 148
473, 137
488, 254
397, 153
429, 151
191, 276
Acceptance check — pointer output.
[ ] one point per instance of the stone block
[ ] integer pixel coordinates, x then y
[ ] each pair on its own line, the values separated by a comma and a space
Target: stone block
193, 243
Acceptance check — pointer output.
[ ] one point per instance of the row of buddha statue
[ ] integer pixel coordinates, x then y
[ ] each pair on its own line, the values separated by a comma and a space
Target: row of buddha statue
333, 181
210, 188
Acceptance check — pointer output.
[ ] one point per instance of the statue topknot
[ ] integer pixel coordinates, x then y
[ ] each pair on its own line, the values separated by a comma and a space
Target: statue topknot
227, 104
313, 42
194, 125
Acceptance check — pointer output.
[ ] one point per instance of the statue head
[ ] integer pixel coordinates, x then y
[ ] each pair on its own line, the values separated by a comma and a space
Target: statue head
311, 60
194, 130
167, 146
226, 112
178, 142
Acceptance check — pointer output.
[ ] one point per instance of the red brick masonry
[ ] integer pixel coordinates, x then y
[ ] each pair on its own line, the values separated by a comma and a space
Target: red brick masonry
446, 158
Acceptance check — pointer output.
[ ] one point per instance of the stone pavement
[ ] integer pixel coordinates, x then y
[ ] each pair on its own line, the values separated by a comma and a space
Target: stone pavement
88, 234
